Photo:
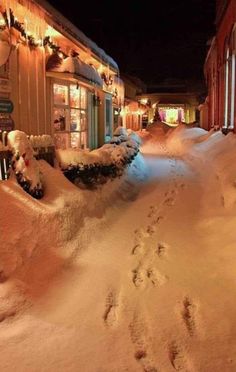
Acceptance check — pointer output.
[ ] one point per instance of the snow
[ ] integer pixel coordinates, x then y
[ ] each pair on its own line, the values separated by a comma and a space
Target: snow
44, 140
74, 65
25, 164
122, 146
138, 275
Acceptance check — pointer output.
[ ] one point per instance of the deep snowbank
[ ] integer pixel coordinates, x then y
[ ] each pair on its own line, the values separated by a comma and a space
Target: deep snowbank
181, 140
32, 228
212, 150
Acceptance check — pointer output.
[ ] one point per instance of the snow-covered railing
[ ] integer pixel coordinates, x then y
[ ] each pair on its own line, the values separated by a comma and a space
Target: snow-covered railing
44, 148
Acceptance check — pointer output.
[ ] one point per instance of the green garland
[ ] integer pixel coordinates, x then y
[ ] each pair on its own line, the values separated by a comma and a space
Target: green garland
54, 47
12, 22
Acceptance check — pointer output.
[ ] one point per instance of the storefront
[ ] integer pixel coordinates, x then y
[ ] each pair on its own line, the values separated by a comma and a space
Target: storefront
171, 108
54, 77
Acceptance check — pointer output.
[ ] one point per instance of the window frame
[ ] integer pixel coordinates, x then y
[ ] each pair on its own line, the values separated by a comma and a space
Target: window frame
68, 108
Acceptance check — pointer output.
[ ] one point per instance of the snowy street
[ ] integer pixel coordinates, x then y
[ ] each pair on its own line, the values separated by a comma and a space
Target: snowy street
144, 282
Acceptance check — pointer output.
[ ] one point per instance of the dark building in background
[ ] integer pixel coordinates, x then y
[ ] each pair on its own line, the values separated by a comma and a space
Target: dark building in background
219, 107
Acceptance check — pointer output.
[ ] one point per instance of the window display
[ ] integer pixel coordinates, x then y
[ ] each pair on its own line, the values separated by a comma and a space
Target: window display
70, 113
83, 103
60, 93
75, 120
74, 96
59, 119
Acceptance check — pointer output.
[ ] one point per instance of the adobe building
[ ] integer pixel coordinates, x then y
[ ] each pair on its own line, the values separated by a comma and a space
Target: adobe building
219, 109
53, 79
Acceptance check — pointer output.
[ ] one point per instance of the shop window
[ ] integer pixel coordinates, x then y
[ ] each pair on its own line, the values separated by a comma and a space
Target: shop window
60, 94
116, 117
70, 115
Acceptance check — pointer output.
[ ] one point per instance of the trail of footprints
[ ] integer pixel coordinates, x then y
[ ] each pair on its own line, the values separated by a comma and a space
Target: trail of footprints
144, 274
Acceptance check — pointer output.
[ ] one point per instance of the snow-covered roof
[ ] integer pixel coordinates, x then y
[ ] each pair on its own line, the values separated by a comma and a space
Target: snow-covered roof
68, 27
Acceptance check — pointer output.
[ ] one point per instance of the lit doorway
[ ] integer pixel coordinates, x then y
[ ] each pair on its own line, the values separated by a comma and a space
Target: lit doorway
172, 115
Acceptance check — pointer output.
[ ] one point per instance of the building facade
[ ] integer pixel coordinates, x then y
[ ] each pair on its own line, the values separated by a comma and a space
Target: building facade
171, 108
53, 79
219, 109
133, 110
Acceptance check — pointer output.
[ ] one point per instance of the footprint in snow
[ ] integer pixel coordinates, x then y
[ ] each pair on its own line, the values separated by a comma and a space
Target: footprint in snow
162, 249
178, 358
140, 235
140, 338
153, 211
7, 315
138, 248
189, 315
156, 278
169, 202
110, 316
157, 220
143, 277
151, 229
139, 279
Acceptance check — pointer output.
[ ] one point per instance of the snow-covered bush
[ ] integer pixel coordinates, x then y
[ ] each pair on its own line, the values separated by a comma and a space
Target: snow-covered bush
95, 167
24, 164
120, 131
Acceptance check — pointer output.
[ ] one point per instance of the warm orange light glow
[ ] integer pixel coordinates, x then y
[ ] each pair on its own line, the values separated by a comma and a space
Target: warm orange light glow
50, 31
144, 101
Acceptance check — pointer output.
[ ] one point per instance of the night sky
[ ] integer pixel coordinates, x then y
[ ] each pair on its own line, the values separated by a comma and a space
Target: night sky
154, 40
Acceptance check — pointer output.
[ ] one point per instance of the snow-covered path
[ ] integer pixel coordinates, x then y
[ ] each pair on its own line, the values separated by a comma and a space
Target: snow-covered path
146, 294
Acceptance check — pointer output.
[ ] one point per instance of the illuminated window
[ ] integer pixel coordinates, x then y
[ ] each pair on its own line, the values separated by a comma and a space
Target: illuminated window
70, 114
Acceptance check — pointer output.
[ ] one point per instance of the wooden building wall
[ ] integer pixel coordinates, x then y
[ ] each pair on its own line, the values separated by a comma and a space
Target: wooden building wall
28, 90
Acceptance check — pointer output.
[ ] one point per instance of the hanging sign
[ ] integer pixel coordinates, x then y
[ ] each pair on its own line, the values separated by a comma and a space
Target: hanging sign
6, 106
